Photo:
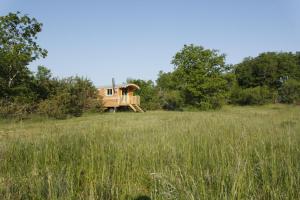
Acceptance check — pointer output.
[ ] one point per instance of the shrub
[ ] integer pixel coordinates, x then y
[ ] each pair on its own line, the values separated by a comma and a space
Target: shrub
212, 103
55, 107
73, 96
171, 100
65, 104
14, 109
251, 96
216, 101
81, 92
94, 105
203, 105
290, 92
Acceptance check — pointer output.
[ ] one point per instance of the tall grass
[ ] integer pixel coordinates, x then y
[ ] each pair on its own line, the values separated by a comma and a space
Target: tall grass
234, 153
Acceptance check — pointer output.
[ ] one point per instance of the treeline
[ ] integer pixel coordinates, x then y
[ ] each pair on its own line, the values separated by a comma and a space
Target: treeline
202, 80
22, 92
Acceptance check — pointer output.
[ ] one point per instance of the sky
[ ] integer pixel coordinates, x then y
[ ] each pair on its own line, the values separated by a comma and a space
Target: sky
101, 39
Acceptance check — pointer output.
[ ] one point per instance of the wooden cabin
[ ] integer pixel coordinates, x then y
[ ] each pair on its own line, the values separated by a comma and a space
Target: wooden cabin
120, 96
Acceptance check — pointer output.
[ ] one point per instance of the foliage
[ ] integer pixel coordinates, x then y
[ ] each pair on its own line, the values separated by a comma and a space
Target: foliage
80, 90
56, 107
276, 72
18, 47
167, 81
94, 105
23, 92
73, 96
171, 100
251, 96
269, 69
15, 109
44, 84
290, 91
198, 77
200, 80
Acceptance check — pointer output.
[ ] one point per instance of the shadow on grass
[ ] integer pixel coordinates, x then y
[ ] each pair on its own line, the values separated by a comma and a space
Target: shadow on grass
142, 197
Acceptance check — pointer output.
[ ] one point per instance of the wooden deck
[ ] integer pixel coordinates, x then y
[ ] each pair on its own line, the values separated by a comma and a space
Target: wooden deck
131, 101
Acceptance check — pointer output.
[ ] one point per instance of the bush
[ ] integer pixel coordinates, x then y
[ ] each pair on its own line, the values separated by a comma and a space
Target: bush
212, 103
94, 105
55, 107
64, 104
15, 110
81, 92
216, 102
290, 92
203, 105
251, 96
73, 96
171, 100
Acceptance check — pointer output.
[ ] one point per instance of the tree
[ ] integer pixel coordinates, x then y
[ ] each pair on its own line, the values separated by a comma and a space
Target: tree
166, 81
18, 47
44, 84
198, 75
290, 91
23, 92
272, 71
269, 69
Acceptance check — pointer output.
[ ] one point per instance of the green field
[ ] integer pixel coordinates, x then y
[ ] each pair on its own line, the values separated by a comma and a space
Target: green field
233, 153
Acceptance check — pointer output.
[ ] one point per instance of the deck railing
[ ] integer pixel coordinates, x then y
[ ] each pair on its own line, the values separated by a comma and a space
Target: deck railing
135, 100
126, 100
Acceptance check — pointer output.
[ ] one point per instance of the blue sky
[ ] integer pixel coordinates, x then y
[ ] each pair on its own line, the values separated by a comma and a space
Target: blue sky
138, 38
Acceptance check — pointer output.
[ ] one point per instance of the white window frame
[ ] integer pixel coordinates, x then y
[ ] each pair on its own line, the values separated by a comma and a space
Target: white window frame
111, 92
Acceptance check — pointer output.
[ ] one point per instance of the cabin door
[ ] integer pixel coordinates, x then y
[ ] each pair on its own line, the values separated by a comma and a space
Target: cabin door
124, 96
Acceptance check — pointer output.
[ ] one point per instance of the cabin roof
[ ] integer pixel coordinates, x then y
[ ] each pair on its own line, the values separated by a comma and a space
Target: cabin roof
123, 85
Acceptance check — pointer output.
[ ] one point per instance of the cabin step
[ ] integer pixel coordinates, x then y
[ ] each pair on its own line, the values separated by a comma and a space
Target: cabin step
139, 108
136, 108
132, 107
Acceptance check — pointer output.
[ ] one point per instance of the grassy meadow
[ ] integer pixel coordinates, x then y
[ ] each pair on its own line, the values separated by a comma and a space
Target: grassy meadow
233, 153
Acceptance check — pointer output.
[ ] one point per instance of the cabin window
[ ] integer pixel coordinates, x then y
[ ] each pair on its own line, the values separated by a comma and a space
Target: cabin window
109, 92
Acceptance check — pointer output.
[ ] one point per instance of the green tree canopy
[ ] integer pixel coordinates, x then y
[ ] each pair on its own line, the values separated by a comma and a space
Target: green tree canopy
18, 47
269, 69
198, 75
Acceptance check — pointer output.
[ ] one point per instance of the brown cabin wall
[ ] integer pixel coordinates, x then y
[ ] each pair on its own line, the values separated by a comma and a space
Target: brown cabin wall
109, 101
